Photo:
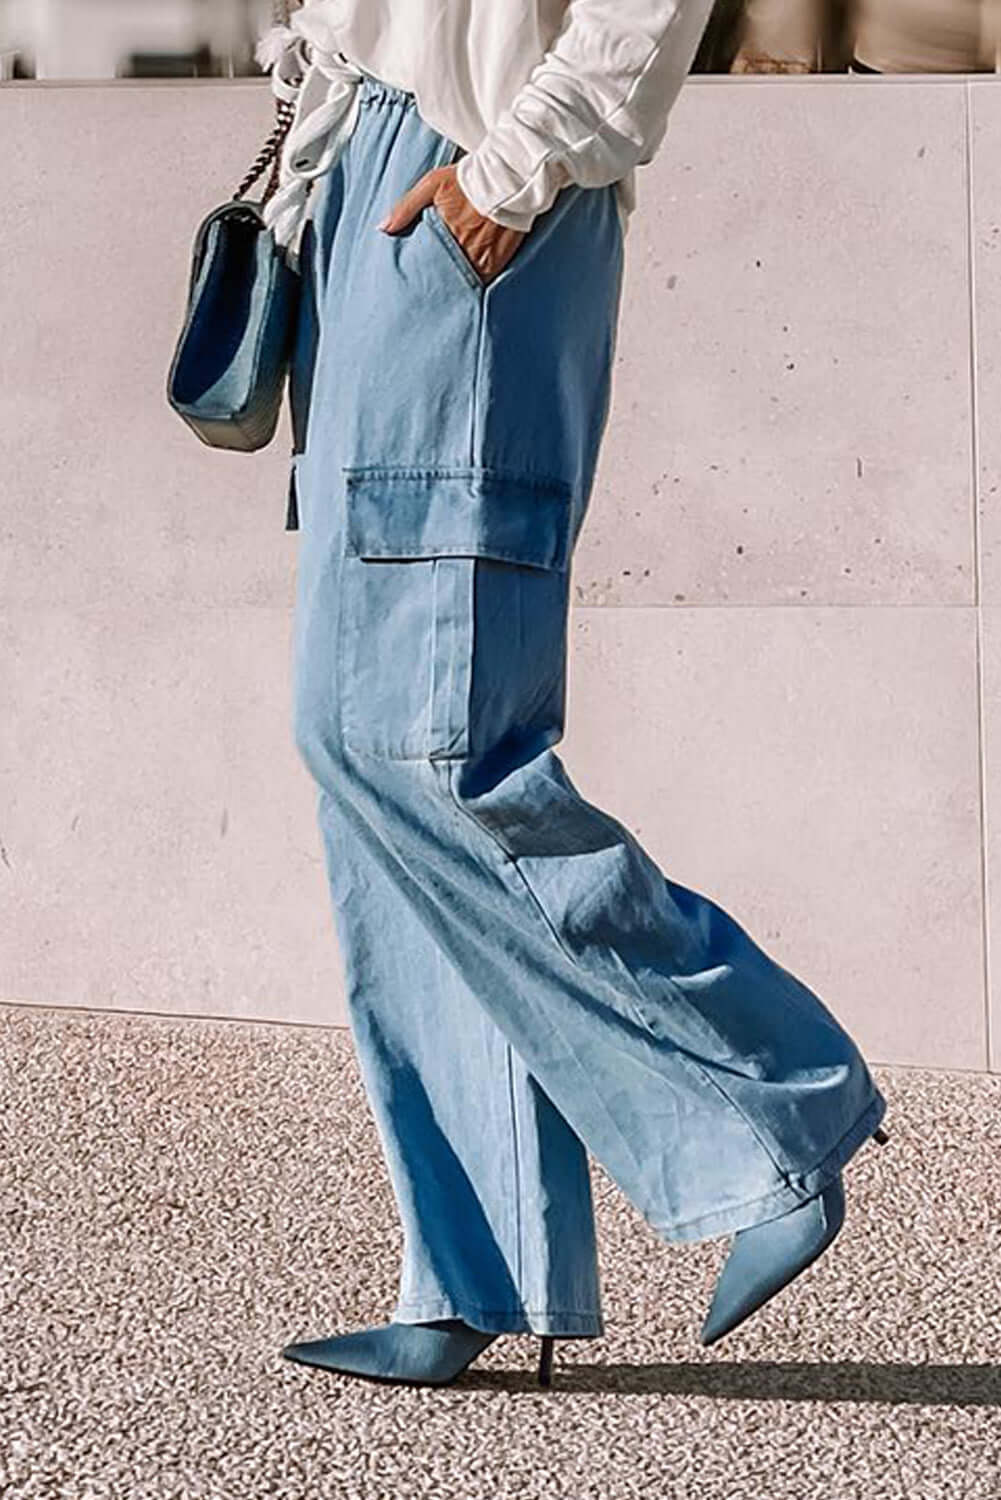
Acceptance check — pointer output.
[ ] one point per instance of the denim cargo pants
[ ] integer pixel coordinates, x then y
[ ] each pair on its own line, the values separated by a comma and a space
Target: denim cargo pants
523, 983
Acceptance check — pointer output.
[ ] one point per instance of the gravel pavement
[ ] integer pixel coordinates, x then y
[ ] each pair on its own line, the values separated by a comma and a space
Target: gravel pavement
180, 1198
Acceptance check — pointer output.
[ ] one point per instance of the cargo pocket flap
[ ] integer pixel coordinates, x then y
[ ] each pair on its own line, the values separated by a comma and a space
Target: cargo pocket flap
458, 512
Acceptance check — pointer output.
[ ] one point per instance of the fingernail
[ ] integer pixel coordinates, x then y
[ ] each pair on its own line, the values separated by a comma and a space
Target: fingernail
384, 223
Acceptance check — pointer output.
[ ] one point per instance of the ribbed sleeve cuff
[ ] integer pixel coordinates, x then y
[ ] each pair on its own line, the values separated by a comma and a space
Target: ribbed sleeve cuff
505, 194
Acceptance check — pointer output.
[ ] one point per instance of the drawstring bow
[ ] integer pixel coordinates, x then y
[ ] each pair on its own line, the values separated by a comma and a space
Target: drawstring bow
322, 85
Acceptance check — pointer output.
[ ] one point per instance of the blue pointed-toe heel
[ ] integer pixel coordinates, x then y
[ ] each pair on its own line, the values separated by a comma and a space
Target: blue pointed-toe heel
407, 1353
765, 1257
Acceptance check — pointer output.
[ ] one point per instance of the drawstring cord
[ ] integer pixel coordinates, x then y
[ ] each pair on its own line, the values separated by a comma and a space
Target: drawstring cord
323, 86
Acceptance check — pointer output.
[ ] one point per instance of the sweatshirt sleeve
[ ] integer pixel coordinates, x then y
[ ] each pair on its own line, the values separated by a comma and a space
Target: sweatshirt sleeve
593, 107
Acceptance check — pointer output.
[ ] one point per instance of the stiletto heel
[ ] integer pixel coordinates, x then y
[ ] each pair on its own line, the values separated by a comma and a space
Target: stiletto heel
880, 1135
546, 1360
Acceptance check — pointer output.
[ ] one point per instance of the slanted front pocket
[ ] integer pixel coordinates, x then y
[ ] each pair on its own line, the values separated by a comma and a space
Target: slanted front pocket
408, 617
454, 250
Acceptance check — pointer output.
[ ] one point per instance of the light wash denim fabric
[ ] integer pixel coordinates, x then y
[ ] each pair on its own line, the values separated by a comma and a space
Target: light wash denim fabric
524, 984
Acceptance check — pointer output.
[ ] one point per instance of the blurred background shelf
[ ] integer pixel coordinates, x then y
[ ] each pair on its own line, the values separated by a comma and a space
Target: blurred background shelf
67, 39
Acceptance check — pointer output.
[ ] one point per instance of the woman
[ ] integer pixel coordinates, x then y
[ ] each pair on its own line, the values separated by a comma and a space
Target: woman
523, 982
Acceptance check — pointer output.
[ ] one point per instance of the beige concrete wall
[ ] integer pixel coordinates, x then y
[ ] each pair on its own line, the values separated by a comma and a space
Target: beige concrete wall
786, 648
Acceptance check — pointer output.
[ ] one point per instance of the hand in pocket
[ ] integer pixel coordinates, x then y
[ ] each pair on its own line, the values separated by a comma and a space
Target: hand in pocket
487, 245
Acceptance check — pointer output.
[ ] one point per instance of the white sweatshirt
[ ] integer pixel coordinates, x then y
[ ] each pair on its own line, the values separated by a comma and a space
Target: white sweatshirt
539, 93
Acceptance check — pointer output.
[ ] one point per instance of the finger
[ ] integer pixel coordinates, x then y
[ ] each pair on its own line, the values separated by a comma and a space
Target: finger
413, 200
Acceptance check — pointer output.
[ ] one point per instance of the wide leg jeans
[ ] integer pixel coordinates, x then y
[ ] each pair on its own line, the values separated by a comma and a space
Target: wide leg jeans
524, 985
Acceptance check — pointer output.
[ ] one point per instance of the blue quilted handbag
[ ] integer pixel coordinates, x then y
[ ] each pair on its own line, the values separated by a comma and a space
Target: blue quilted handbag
227, 376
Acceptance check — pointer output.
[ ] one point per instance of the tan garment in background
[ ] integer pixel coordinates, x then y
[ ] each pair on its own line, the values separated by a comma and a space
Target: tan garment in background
786, 31
926, 36
892, 36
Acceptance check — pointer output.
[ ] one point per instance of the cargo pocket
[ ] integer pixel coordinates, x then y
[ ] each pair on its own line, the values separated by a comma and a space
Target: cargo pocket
407, 617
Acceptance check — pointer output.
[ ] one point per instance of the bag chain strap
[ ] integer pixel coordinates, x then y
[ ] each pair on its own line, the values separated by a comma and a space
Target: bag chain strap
285, 114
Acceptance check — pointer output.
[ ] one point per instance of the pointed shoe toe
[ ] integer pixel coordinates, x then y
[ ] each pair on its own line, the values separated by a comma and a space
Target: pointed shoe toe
401, 1353
766, 1257
340, 1353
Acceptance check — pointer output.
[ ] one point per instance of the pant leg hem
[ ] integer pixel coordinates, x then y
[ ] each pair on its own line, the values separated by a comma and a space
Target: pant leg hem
510, 1320
796, 1190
